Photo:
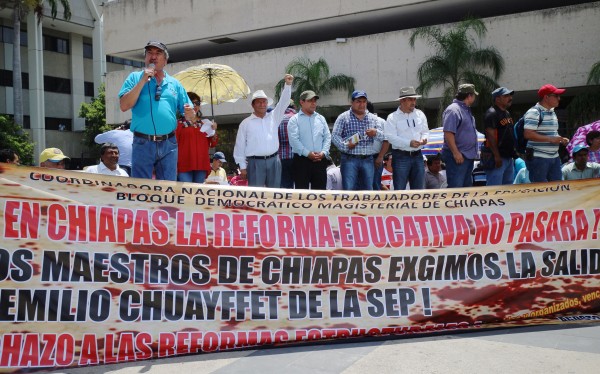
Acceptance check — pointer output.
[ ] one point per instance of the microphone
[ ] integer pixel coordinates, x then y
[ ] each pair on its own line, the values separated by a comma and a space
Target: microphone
151, 66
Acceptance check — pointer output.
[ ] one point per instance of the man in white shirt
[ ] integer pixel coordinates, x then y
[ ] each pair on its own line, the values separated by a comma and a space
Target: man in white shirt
334, 176
580, 168
123, 138
109, 162
257, 141
407, 131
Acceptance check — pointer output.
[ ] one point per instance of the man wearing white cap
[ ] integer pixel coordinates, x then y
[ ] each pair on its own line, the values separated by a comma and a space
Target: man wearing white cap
257, 141
53, 158
407, 131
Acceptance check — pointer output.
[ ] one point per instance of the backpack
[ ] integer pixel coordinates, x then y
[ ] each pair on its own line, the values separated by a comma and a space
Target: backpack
519, 133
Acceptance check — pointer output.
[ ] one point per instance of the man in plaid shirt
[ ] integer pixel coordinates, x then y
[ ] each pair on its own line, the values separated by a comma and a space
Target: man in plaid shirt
285, 151
353, 134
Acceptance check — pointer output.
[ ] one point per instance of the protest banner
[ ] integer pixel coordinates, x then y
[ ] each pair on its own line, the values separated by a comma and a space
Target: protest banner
97, 269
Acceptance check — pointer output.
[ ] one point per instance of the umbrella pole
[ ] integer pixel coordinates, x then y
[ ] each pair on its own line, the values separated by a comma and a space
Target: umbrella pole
212, 108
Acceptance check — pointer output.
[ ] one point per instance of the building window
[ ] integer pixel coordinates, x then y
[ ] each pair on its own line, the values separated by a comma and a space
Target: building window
88, 51
55, 44
61, 124
55, 84
6, 79
123, 61
6, 35
88, 89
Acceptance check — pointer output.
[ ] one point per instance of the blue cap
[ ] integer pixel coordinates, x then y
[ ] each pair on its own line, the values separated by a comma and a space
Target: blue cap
579, 147
357, 94
501, 92
219, 156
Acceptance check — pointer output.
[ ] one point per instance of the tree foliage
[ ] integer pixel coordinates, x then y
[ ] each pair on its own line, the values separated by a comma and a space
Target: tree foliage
585, 107
594, 75
457, 58
314, 76
12, 137
95, 117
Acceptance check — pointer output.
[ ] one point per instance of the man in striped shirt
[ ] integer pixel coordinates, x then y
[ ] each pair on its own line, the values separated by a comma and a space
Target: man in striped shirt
543, 161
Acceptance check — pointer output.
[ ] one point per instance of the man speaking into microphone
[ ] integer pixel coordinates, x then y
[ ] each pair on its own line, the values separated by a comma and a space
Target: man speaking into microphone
154, 98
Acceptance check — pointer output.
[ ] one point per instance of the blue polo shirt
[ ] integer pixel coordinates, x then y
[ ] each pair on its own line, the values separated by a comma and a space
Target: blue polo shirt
147, 109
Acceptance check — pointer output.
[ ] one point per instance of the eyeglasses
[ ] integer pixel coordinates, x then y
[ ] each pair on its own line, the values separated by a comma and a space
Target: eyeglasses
197, 103
158, 93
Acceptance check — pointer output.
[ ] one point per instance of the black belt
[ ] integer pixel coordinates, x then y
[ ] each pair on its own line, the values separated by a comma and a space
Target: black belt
358, 156
262, 157
408, 153
154, 138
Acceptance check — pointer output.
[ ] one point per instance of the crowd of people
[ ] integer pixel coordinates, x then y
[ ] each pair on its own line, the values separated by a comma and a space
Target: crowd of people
289, 147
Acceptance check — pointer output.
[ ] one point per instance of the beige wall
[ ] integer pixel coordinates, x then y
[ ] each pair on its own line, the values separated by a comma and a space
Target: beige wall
551, 46
67, 141
182, 21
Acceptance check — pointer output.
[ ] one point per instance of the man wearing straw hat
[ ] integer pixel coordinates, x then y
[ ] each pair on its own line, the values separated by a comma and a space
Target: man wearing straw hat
407, 131
257, 141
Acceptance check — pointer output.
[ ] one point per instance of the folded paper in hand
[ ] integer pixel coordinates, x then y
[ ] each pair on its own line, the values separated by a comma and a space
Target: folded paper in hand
207, 128
353, 139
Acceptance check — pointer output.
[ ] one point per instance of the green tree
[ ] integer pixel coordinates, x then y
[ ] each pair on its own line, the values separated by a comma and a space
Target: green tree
12, 136
20, 10
315, 76
594, 75
457, 59
585, 107
95, 118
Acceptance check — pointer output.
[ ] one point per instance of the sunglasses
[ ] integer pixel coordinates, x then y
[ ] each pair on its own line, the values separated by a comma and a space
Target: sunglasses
158, 93
198, 103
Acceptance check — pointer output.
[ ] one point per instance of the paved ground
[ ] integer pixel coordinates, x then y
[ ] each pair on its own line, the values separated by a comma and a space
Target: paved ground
542, 349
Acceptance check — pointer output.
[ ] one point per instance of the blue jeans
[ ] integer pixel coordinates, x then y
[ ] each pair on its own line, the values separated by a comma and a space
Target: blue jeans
457, 175
406, 168
357, 173
377, 171
502, 175
544, 169
195, 176
148, 156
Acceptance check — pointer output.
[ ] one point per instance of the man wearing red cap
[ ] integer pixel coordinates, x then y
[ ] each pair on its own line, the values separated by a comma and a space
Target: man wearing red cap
542, 158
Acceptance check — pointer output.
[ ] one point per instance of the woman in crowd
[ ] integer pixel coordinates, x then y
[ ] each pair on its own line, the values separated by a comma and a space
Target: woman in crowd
194, 140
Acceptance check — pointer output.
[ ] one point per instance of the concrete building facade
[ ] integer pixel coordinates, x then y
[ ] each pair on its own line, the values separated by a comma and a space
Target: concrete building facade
63, 64
259, 38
